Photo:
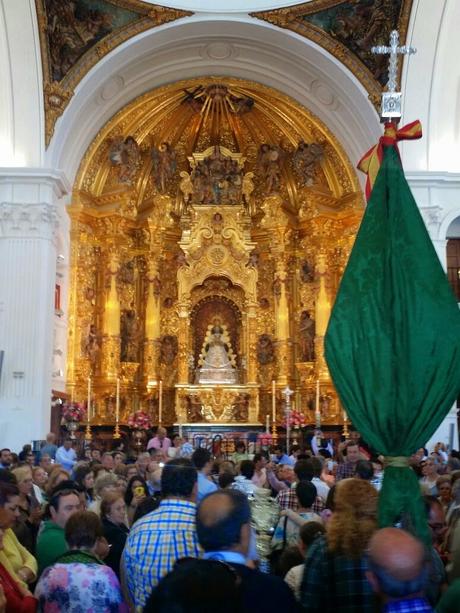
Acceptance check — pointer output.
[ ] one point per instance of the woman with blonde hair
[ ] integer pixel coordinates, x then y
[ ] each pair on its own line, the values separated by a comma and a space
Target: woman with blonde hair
114, 522
55, 477
334, 578
30, 513
104, 484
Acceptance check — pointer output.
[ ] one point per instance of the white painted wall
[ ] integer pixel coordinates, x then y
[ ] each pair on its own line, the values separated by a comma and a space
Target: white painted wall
21, 100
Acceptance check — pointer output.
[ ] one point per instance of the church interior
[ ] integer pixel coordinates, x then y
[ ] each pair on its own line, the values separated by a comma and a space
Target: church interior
179, 199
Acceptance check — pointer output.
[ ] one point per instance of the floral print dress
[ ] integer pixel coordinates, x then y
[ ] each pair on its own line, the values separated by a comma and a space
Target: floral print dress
79, 583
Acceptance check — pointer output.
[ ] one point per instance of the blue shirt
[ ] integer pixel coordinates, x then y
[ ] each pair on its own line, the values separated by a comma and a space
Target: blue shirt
50, 450
205, 486
284, 459
225, 556
66, 458
154, 544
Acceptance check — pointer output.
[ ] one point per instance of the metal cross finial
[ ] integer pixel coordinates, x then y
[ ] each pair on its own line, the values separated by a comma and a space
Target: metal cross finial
391, 99
287, 392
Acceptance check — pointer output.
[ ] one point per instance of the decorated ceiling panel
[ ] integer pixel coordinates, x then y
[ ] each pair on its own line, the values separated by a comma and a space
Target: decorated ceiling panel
75, 35
349, 29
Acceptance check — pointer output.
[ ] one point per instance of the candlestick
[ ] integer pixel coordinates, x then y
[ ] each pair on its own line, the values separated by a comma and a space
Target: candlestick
345, 424
89, 394
287, 392
116, 433
160, 402
317, 409
88, 435
274, 401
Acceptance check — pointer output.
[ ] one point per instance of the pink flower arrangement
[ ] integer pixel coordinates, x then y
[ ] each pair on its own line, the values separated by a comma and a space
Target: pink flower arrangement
296, 419
265, 439
73, 411
139, 421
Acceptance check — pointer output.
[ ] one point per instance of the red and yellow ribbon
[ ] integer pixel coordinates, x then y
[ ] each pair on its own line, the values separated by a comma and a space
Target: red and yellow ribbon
370, 163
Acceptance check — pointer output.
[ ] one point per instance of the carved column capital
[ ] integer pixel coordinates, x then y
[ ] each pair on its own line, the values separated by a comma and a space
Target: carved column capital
21, 220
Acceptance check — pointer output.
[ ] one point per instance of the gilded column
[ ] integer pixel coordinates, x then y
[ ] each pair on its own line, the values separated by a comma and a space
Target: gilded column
183, 343
251, 322
152, 324
111, 329
322, 314
282, 323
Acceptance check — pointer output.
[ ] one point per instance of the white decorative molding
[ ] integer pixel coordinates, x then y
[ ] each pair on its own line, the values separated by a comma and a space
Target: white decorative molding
49, 179
444, 180
226, 6
19, 220
432, 216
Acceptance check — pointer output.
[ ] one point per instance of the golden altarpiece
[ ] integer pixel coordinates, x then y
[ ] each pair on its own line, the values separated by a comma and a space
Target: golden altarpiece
211, 221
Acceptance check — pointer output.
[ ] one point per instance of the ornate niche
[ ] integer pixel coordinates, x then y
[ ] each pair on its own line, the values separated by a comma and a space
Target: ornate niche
216, 285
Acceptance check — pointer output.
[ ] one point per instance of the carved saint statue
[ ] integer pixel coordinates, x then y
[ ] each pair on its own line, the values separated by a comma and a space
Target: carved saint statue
269, 164
91, 346
127, 156
265, 349
307, 337
130, 336
305, 160
168, 349
217, 362
164, 165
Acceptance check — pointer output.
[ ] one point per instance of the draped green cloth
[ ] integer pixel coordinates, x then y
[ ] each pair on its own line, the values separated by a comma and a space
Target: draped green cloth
393, 340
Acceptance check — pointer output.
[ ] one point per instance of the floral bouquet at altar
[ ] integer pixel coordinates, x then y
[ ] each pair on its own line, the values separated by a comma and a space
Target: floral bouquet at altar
265, 439
73, 411
139, 421
296, 419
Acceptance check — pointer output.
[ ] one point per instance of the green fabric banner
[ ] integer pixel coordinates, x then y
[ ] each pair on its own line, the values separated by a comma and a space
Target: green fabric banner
393, 340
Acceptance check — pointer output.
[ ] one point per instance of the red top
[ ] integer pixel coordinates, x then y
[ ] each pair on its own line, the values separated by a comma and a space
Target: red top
15, 601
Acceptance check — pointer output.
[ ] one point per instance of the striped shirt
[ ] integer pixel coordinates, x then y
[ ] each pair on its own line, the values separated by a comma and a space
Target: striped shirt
154, 544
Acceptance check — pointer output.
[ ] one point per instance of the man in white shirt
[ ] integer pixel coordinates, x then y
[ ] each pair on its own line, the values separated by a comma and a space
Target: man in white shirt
66, 456
321, 487
202, 461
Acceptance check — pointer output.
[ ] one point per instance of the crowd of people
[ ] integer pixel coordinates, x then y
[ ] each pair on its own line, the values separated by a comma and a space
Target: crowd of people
176, 529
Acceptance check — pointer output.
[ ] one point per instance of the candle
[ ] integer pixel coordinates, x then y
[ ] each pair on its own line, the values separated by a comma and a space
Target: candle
180, 426
160, 402
267, 423
117, 406
317, 410
273, 401
88, 404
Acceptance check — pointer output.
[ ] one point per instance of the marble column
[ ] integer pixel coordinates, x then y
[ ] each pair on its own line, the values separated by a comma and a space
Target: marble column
29, 211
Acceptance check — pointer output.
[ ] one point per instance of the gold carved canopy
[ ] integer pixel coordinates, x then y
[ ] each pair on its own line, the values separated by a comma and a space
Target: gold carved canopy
210, 200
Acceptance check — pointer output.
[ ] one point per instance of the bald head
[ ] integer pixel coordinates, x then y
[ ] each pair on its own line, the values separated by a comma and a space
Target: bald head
220, 519
397, 552
396, 563
215, 509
